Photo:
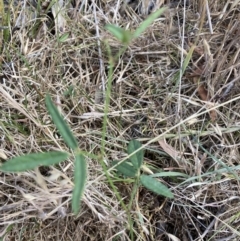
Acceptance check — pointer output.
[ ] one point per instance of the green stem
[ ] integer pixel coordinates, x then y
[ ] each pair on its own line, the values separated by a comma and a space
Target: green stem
133, 194
104, 130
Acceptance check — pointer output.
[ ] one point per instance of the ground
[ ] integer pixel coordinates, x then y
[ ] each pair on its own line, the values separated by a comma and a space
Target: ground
175, 89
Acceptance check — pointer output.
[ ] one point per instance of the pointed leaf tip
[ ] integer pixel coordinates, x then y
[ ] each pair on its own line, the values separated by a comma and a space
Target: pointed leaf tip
61, 124
80, 178
155, 186
125, 168
30, 161
137, 158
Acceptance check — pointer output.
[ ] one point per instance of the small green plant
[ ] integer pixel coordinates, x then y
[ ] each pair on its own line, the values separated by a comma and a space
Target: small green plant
32, 160
132, 168
129, 168
126, 36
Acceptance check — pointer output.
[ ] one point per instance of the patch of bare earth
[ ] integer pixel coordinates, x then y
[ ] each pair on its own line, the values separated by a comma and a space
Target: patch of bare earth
189, 120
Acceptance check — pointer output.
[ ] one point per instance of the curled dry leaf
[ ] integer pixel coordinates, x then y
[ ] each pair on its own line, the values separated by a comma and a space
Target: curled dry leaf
40, 179
172, 237
213, 115
2, 155
203, 93
145, 169
170, 151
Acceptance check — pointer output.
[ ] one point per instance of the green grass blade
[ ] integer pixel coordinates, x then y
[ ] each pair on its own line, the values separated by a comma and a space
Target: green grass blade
2, 13
146, 23
169, 174
62, 126
6, 31
80, 177
125, 169
187, 60
181, 72
137, 158
155, 186
30, 161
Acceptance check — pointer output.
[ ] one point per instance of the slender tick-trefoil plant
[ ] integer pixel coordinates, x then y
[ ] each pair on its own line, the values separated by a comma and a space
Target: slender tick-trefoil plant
130, 167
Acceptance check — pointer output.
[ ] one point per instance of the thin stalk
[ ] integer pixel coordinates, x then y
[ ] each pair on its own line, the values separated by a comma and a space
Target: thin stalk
104, 130
134, 191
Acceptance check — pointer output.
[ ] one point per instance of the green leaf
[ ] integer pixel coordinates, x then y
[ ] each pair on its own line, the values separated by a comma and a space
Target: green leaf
146, 23
137, 158
181, 72
169, 174
187, 59
121, 34
61, 124
30, 161
63, 38
155, 186
80, 177
125, 168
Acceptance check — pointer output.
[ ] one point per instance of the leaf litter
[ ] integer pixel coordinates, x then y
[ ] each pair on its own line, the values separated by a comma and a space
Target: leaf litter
35, 63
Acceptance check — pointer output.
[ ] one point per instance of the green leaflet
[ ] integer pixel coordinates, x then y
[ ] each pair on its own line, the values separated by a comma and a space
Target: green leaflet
155, 186
125, 169
61, 124
137, 158
80, 177
124, 36
30, 161
146, 23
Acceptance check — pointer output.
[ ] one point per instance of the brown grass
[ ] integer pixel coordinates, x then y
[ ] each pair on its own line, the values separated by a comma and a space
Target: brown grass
148, 102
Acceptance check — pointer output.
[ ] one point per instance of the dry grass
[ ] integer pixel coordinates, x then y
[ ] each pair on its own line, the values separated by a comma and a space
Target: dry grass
148, 102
